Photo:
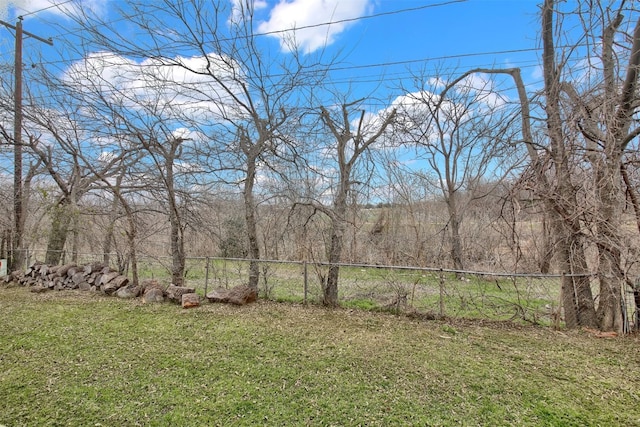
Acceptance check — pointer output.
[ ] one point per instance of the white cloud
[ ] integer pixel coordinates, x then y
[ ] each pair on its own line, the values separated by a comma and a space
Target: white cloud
182, 133
107, 156
164, 88
290, 14
243, 9
14, 8
437, 82
483, 89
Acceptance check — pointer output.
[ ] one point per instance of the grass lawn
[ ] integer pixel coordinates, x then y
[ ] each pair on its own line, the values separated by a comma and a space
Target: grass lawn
81, 359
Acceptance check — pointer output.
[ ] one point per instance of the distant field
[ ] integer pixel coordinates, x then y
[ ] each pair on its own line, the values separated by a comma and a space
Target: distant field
72, 358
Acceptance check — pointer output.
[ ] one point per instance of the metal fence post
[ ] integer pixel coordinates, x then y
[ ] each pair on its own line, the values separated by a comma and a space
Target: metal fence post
441, 293
206, 276
305, 281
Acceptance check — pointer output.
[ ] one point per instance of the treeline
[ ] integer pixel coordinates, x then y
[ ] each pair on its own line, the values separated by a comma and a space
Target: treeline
202, 140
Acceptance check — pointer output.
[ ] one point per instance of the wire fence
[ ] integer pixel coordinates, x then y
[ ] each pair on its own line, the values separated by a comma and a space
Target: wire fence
418, 291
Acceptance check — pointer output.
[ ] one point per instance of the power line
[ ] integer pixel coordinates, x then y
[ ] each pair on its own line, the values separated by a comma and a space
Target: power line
374, 65
45, 8
275, 32
371, 78
375, 15
436, 58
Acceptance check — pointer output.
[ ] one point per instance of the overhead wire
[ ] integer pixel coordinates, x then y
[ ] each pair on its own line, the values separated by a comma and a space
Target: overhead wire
54, 5
275, 32
372, 78
360, 79
375, 15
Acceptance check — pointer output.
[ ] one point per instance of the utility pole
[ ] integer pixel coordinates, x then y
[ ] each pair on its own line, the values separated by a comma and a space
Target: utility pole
17, 250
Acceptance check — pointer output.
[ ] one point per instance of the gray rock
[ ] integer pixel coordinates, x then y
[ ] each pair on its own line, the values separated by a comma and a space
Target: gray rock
175, 293
129, 291
153, 295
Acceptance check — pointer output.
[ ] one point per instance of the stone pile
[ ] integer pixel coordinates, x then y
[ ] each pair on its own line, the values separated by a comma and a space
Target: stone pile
89, 277
100, 278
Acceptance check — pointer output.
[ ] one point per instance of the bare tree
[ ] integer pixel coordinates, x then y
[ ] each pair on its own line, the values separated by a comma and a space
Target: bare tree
352, 139
599, 107
73, 153
553, 170
462, 132
604, 109
235, 96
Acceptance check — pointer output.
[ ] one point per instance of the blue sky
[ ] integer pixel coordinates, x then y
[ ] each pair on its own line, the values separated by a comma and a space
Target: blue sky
381, 43
411, 33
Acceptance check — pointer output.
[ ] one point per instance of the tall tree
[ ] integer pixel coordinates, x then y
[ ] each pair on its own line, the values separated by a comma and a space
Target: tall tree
605, 107
588, 117
461, 132
352, 140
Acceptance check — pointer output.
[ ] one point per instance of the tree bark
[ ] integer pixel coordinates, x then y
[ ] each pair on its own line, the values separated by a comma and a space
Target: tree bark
334, 255
618, 116
251, 222
576, 291
454, 225
60, 222
610, 273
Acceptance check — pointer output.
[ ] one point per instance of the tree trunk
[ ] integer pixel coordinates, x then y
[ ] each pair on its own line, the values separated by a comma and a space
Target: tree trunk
456, 242
610, 274
252, 229
561, 202
334, 255
132, 234
330, 289
60, 221
177, 232
577, 297
177, 248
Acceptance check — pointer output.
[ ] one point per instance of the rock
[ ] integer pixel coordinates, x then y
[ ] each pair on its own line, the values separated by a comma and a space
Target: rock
43, 270
62, 270
84, 286
121, 281
151, 283
78, 277
38, 289
106, 278
114, 283
240, 295
190, 300
218, 295
152, 295
174, 293
129, 291
93, 268
72, 270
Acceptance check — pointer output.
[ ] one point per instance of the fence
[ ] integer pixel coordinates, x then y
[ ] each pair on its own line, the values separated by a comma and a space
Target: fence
429, 292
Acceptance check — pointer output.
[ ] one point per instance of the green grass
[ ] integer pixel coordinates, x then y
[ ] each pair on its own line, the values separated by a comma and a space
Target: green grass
526, 299
71, 358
